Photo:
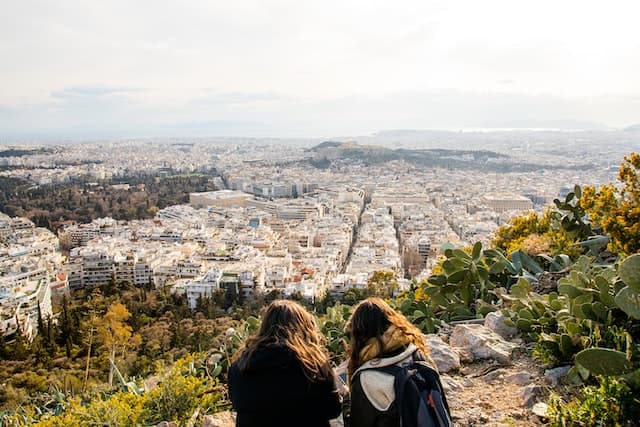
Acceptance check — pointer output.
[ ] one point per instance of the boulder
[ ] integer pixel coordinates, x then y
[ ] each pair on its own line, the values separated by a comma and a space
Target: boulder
519, 378
540, 409
530, 394
494, 376
495, 322
481, 343
444, 357
553, 376
220, 419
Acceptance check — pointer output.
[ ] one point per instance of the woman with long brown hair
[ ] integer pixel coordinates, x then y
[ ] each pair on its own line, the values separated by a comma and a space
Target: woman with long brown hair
282, 375
382, 341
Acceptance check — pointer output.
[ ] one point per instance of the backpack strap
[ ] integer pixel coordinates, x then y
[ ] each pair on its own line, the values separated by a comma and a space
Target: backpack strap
426, 404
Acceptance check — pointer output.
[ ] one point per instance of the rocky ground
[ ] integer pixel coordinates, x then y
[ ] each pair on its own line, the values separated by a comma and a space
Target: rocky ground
487, 373
489, 376
492, 394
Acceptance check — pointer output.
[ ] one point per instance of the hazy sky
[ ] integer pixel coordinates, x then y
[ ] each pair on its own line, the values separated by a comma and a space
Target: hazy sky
78, 68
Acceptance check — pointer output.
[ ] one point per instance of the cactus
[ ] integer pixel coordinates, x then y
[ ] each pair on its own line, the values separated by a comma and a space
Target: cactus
554, 302
465, 288
628, 298
521, 289
421, 314
564, 322
629, 301
604, 286
569, 290
604, 361
524, 325
566, 345
629, 272
572, 216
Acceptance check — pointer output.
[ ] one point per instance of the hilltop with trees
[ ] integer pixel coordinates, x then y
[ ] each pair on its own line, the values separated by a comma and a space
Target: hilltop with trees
140, 197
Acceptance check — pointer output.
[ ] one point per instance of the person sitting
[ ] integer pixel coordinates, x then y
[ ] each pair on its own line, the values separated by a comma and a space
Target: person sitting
380, 338
282, 375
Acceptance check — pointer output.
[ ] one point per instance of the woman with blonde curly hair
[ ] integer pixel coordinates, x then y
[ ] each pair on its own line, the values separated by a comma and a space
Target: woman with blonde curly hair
380, 339
282, 375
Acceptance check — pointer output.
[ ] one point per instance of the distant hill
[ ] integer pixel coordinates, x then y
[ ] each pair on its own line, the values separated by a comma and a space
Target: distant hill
329, 152
325, 144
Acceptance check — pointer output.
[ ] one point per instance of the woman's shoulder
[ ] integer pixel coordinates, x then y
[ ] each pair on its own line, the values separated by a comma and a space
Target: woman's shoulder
400, 356
272, 356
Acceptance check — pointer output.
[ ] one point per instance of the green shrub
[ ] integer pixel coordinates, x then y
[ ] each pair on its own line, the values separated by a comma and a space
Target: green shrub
611, 403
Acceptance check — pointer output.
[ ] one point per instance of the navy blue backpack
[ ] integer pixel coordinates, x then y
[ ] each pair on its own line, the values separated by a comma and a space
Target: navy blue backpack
420, 399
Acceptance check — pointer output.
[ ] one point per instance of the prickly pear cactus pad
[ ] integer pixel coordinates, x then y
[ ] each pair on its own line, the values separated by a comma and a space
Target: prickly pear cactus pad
630, 271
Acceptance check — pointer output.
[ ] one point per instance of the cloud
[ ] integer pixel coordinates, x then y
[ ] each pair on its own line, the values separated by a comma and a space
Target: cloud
221, 98
93, 91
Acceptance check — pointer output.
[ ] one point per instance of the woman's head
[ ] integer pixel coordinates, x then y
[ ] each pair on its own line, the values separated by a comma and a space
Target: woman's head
375, 328
284, 319
287, 323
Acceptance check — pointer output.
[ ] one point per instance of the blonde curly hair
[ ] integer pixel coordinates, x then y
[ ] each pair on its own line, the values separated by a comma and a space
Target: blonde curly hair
375, 328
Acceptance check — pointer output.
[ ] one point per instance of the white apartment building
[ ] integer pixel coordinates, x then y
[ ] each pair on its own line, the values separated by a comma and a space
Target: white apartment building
19, 304
97, 268
251, 282
221, 198
132, 269
501, 202
343, 282
202, 287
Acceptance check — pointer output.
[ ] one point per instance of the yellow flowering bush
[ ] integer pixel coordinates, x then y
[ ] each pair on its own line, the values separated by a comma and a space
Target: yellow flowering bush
617, 211
183, 389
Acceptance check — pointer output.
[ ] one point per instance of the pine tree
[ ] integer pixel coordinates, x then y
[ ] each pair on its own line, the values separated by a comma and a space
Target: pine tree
66, 328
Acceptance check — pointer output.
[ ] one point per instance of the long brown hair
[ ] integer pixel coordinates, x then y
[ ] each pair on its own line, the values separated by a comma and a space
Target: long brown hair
367, 325
288, 323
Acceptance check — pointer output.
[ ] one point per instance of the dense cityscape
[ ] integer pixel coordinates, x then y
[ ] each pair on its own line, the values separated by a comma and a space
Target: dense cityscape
304, 218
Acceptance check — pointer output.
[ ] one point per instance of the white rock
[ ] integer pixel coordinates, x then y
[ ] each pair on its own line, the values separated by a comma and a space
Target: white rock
540, 409
495, 322
481, 342
220, 419
445, 358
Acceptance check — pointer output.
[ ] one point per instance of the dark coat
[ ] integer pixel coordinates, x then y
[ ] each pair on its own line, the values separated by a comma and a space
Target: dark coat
273, 391
373, 401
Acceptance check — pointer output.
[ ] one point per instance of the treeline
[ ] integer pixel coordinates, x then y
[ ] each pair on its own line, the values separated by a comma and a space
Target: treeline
15, 152
83, 201
133, 329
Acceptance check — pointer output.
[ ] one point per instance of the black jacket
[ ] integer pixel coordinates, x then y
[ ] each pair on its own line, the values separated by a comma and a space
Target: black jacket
372, 392
273, 391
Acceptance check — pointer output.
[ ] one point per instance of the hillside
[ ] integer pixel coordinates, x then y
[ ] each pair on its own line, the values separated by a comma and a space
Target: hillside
327, 153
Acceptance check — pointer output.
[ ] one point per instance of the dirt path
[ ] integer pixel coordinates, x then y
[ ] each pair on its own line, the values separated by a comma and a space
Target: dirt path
492, 394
